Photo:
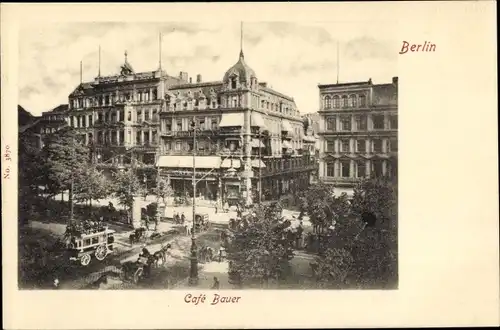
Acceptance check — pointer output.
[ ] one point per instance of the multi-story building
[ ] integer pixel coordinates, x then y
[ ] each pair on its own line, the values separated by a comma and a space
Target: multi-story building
249, 138
118, 115
358, 130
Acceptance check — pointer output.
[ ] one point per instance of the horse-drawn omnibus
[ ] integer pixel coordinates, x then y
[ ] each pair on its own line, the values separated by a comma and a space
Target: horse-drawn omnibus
82, 246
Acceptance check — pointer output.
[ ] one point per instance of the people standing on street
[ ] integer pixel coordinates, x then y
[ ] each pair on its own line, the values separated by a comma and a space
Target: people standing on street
216, 284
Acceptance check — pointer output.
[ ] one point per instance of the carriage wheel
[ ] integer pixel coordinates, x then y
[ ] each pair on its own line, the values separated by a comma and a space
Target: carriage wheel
137, 275
101, 252
85, 260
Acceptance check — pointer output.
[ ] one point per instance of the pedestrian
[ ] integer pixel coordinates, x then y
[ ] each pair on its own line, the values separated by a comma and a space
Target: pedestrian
56, 283
216, 284
221, 253
216, 208
183, 217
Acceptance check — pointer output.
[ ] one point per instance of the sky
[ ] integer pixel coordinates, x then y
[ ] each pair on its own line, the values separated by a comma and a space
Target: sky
292, 57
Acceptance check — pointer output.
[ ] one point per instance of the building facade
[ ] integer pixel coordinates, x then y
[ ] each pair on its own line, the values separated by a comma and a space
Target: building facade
118, 116
358, 132
249, 139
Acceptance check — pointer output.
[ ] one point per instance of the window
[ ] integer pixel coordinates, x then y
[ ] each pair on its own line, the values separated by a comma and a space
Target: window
361, 123
235, 101
146, 115
139, 116
168, 125
344, 146
362, 100
233, 82
201, 123
361, 146
330, 146
201, 145
361, 165
346, 123
155, 94
330, 169
190, 146
179, 125
155, 116
146, 137
178, 146
394, 122
129, 115
167, 146
336, 101
154, 136
378, 122
122, 137
138, 137
196, 102
377, 146
352, 101
214, 123
330, 124
377, 168
345, 169
394, 145
328, 102
344, 101
90, 120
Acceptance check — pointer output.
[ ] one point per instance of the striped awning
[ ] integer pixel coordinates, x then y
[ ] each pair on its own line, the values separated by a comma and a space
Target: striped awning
256, 143
187, 162
258, 163
258, 121
228, 163
232, 120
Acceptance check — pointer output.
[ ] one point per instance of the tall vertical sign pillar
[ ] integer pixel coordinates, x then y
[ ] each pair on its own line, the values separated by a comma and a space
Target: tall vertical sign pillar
248, 173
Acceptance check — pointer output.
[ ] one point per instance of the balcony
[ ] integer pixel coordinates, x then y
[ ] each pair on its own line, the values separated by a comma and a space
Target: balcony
189, 134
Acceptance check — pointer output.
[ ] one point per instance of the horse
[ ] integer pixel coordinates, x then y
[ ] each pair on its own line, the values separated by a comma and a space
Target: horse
160, 255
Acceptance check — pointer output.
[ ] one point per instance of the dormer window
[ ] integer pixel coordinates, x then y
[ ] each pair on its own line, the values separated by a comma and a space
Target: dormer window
233, 82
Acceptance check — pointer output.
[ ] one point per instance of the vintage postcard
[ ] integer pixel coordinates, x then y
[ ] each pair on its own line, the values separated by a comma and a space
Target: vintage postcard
249, 165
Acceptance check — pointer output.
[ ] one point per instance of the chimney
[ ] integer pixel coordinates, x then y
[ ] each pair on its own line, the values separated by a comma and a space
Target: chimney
370, 81
394, 80
198, 78
190, 80
183, 76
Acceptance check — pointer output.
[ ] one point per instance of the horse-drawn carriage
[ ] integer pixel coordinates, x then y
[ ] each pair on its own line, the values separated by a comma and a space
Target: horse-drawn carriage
89, 239
140, 269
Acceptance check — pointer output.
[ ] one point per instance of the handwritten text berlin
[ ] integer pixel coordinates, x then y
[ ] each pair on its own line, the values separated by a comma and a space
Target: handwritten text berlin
426, 47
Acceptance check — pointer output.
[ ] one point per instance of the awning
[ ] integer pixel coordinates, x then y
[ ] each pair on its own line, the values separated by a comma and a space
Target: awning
256, 143
258, 163
286, 127
286, 145
258, 121
228, 163
232, 120
187, 162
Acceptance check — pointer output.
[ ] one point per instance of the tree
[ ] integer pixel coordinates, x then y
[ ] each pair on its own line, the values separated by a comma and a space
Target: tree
30, 167
92, 185
260, 249
362, 252
126, 185
65, 160
322, 206
164, 189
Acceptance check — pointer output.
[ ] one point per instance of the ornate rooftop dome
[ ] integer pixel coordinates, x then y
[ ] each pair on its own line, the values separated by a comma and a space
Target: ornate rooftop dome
241, 69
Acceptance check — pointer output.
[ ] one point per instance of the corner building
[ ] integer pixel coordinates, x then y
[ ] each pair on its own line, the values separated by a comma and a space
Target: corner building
249, 141
118, 117
358, 132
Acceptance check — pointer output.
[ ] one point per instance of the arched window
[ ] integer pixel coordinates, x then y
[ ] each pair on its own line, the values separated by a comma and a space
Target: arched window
362, 100
328, 102
344, 101
233, 82
352, 101
336, 101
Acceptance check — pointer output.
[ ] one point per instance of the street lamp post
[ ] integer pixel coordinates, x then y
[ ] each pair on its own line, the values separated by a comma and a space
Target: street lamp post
193, 274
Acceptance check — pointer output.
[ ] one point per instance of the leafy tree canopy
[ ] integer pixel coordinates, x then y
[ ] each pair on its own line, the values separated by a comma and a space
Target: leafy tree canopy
260, 249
